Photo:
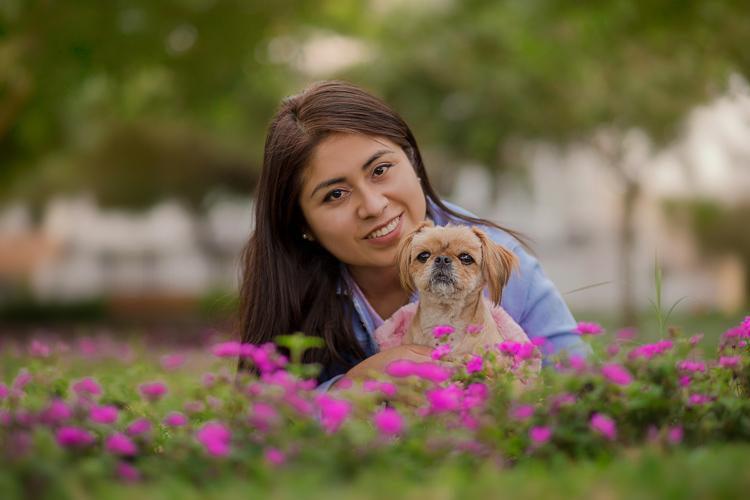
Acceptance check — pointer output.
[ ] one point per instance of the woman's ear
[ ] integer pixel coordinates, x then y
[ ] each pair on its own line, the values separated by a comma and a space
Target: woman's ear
497, 264
403, 256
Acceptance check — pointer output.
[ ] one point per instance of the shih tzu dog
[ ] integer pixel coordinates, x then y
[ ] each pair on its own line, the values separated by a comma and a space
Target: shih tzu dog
450, 267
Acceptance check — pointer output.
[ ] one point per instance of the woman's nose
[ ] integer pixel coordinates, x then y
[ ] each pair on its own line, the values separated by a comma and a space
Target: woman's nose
372, 203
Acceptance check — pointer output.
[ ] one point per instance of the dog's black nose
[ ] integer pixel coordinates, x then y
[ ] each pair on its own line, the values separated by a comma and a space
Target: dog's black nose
442, 260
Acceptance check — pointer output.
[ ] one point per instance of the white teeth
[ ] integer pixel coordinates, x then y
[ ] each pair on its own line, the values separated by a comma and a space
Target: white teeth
385, 230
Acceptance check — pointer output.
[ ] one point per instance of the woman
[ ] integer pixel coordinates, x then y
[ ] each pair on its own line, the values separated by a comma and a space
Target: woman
342, 183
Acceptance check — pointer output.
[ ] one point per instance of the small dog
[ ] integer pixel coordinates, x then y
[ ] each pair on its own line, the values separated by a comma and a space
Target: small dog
450, 267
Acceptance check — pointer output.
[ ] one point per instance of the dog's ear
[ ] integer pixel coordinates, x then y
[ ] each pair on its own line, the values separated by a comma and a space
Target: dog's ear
497, 264
403, 256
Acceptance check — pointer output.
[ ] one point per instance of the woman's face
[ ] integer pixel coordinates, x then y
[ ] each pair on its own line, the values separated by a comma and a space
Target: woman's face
360, 197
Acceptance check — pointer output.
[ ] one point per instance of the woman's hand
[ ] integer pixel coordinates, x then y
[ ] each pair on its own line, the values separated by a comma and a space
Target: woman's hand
377, 363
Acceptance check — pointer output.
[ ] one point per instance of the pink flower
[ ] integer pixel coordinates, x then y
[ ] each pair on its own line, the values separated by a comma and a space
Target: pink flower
474, 364
445, 399
73, 437
274, 456
692, 366
522, 412
604, 426
588, 328
153, 391
695, 339
427, 371
103, 414
193, 407
441, 351
613, 349
172, 361
120, 444
627, 333
616, 374
87, 387
385, 388
226, 350
175, 419
4, 391
333, 412
57, 412
215, 438
263, 416
563, 399
684, 381
208, 379
746, 325
473, 329
388, 422
578, 363
140, 426
729, 361
698, 399
648, 351
22, 379
39, 349
674, 435
540, 435
442, 331
127, 472
475, 395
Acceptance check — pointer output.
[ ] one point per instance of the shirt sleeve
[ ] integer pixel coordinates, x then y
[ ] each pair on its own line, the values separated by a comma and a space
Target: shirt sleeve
537, 306
326, 386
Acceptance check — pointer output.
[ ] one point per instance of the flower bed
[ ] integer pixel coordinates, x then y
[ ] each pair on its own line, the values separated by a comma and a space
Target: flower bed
103, 409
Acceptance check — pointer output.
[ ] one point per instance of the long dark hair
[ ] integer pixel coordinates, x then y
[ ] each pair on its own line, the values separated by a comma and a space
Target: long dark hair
290, 284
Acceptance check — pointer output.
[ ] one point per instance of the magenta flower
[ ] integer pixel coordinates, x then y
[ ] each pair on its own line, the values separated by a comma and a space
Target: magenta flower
385, 388
226, 350
578, 363
444, 400
140, 426
729, 361
120, 444
263, 416
427, 371
698, 399
522, 412
627, 333
442, 331
4, 391
648, 351
746, 325
674, 435
440, 351
172, 361
695, 339
215, 438
57, 412
616, 374
70, 437
684, 381
540, 435
193, 407
153, 391
103, 414
475, 395
175, 419
39, 349
588, 328
87, 387
692, 366
274, 456
604, 426
333, 412
473, 328
388, 422
22, 380
127, 472
563, 399
474, 364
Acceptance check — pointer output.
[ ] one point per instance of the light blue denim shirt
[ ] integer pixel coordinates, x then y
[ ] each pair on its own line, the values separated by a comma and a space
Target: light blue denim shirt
530, 298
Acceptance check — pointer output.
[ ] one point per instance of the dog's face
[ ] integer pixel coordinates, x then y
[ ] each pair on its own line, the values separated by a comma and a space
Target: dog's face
452, 262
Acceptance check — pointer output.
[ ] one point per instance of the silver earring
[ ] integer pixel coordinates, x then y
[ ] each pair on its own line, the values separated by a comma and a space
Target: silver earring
307, 237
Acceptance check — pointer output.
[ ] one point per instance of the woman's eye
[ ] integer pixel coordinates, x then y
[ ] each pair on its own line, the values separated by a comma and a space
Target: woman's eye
380, 170
334, 195
422, 257
466, 259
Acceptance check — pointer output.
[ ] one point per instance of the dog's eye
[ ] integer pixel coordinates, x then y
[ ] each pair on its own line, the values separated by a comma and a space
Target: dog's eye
422, 257
466, 259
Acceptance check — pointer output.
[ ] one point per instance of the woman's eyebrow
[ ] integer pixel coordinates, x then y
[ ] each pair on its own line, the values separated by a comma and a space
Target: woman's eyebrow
377, 154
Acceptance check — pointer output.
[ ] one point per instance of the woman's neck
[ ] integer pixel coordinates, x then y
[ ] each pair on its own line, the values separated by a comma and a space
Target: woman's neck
382, 289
